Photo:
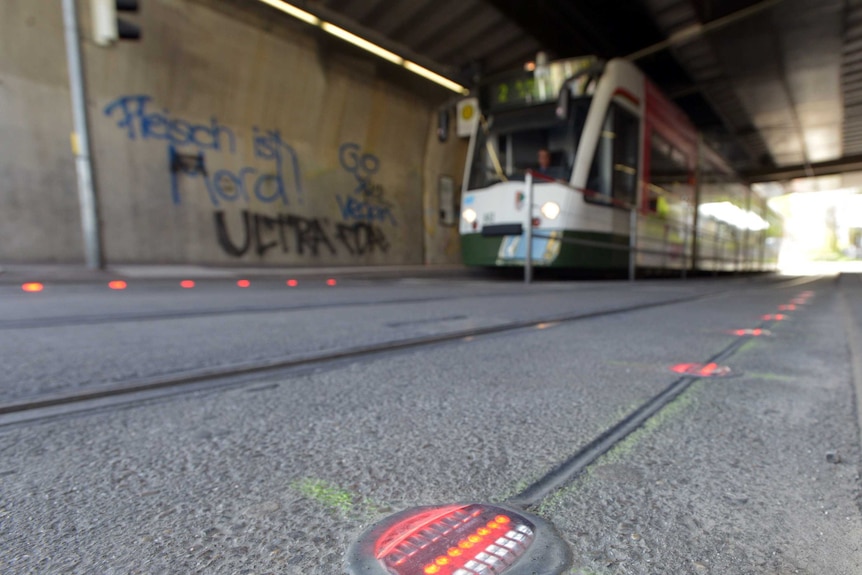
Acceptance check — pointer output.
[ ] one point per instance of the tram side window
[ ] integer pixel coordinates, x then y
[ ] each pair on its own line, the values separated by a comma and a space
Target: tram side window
613, 173
667, 172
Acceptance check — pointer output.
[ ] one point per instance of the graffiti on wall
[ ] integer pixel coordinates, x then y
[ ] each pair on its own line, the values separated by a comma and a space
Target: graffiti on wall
136, 116
367, 203
290, 233
193, 147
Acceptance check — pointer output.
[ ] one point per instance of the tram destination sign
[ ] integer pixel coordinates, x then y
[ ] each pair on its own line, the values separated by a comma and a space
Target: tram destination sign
526, 88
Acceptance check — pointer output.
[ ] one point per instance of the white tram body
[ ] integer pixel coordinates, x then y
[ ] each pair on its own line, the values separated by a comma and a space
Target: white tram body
617, 146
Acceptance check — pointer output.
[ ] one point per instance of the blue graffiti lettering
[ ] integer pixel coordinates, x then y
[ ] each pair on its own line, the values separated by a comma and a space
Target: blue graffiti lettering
362, 166
372, 207
133, 116
226, 185
356, 210
270, 146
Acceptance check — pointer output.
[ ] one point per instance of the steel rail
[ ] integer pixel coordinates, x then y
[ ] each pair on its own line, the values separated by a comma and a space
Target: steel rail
222, 374
573, 466
577, 463
144, 389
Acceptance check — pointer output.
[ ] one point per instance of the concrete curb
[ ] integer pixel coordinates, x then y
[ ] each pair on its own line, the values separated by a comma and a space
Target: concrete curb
70, 274
854, 345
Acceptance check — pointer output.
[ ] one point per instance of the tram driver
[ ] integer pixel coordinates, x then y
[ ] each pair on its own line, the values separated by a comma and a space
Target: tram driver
545, 166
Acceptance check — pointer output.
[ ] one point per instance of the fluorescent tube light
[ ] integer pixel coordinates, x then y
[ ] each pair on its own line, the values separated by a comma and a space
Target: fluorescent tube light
366, 45
362, 43
293, 11
434, 77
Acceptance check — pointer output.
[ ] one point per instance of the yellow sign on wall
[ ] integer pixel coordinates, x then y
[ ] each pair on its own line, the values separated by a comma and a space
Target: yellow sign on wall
468, 115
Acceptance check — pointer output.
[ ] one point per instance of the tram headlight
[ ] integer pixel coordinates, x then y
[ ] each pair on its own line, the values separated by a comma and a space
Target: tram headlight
469, 215
551, 210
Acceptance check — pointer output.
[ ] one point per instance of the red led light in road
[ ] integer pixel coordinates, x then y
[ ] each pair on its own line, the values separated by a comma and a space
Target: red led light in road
774, 317
243, 283
455, 540
32, 287
799, 301
331, 282
787, 307
461, 539
757, 332
702, 370
709, 369
187, 284
118, 285
292, 283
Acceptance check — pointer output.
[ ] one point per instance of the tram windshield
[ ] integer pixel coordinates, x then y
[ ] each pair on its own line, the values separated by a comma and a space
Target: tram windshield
508, 143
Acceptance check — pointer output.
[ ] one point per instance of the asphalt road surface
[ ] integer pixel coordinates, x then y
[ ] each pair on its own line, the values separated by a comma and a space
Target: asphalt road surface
261, 430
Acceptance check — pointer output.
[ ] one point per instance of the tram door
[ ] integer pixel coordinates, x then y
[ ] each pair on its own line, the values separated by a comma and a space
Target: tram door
614, 172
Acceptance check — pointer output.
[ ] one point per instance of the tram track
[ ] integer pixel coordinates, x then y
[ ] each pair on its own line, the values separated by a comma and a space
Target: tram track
92, 319
563, 473
554, 557
142, 389
130, 391
145, 410
102, 319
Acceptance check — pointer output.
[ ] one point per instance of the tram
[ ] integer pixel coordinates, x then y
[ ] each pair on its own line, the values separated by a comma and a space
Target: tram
622, 158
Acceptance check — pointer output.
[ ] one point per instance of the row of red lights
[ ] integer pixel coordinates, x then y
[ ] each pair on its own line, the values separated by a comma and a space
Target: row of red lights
36, 287
714, 370
794, 304
456, 557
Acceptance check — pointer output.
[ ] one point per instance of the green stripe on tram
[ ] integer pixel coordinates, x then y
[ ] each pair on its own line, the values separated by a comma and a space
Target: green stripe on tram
477, 250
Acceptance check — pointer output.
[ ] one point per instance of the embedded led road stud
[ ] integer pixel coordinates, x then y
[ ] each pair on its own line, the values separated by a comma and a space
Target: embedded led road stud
702, 370
464, 539
32, 287
756, 332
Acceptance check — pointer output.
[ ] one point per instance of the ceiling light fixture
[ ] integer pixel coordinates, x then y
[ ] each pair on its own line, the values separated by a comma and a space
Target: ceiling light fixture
362, 43
366, 45
291, 10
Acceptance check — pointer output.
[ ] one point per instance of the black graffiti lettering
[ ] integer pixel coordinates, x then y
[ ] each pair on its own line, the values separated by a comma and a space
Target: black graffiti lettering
259, 223
187, 163
282, 233
362, 238
307, 236
224, 236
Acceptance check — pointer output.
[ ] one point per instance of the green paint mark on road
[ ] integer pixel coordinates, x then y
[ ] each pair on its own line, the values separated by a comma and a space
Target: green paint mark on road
747, 347
330, 496
337, 499
769, 376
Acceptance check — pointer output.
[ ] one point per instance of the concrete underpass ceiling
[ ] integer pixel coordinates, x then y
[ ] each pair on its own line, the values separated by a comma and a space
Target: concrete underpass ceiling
775, 85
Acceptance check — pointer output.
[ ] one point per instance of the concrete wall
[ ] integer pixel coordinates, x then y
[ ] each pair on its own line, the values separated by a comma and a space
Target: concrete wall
442, 160
229, 134
39, 215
